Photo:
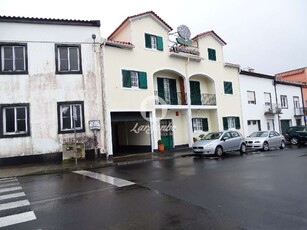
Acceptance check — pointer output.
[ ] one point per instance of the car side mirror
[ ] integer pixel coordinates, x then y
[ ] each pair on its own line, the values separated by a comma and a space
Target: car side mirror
225, 138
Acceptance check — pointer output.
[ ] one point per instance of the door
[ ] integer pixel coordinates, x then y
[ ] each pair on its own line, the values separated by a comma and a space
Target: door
285, 124
195, 93
166, 128
167, 90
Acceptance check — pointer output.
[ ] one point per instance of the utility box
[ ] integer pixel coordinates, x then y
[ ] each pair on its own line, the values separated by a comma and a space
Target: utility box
69, 150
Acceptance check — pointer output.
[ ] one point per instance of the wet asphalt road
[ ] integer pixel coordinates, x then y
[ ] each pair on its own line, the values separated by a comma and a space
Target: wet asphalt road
264, 190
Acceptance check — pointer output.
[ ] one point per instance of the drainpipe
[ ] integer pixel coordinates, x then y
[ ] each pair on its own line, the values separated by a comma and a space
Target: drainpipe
188, 100
278, 117
302, 95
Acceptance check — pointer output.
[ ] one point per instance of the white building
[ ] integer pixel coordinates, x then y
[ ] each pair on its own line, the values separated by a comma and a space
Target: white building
269, 104
49, 73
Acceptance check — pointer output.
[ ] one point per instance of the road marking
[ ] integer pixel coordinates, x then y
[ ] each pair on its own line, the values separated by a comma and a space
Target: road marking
15, 204
108, 179
9, 185
13, 195
17, 218
8, 179
10, 189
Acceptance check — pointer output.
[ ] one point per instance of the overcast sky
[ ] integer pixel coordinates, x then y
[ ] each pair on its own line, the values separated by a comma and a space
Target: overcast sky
267, 35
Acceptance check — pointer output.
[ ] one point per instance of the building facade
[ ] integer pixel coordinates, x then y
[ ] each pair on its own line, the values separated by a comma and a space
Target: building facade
50, 87
269, 103
162, 85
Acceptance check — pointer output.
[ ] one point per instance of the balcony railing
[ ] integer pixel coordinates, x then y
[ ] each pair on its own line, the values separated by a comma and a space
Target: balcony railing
272, 109
204, 99
298, 111
174, 99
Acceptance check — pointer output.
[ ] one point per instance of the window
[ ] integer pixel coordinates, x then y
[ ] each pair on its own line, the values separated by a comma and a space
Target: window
228, 87
211, 54
68, 59
267, 99
167, 91
296, 102
284, 101
15, 120
70, 115
231, 123
134, 79
13, 59
153, 42
200, 124
251, 98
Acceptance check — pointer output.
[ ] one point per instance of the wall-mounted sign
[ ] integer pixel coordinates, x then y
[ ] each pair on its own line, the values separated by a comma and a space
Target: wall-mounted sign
94, 124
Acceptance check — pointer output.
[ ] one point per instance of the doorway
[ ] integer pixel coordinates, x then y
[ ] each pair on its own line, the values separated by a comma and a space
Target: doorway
166, 127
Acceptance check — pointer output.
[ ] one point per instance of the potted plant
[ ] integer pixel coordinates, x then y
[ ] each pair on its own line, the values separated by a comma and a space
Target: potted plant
160, 146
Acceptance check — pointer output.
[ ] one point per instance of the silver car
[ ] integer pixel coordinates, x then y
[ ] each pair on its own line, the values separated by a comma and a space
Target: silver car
265, 140
220, 142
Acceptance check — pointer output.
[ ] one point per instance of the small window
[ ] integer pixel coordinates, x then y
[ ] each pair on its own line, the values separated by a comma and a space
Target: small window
284, 101
13, 59
211, 54
15, 120
251, 98
134, 79
68, 59
267, 99
153, 42
231, 123
228, 87
200, 124
70, 117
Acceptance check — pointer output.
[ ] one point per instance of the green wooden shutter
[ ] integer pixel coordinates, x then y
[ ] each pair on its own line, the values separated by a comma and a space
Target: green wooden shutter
237, 121
205, 124
147, 41
142, 80
225, 123
126, 78
195, 93
212, 54
228, 87
159, 43
160, 87
173, 91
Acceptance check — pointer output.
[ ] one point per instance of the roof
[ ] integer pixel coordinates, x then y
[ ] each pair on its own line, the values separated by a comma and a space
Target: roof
137, 16
51, 21
210, 33
253, 74
291, 72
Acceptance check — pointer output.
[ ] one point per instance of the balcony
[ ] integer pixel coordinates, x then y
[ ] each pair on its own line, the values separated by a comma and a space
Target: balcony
299, 111
178, 98
204, 99
272, 109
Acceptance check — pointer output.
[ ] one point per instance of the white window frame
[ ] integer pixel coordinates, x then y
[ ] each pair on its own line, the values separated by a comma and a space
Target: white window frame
71, 115
231, 121
26, 122
267, 99
284, 101
197, 124
134, 79
68, 49
13, 47
251, 97
153, 40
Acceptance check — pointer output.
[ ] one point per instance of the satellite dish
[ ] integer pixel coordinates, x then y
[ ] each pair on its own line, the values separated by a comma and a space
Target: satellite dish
184, 32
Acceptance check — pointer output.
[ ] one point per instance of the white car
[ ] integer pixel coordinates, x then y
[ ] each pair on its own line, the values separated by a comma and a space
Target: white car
216, 143
265, 140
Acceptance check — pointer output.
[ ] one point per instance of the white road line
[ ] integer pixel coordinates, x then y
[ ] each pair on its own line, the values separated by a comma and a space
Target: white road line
15, 204
8, 179
16, 219
13, 195
108, 179
9, 185
10, 189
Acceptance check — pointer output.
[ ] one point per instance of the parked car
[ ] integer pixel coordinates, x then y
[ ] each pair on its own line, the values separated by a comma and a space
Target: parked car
265, 140
296, 134
217, 143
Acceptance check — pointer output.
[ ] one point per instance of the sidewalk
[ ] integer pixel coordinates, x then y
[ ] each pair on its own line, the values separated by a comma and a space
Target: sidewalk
67, 166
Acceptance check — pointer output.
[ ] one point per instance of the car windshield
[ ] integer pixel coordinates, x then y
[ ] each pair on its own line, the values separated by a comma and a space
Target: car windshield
259, 134
213, 136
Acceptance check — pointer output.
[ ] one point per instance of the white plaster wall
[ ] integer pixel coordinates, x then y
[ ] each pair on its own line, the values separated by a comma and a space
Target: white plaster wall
42, 88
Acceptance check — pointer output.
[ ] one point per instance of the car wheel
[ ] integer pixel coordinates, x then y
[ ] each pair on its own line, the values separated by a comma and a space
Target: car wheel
282, 145
294, 140
265, 146
219, 151
243, 149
